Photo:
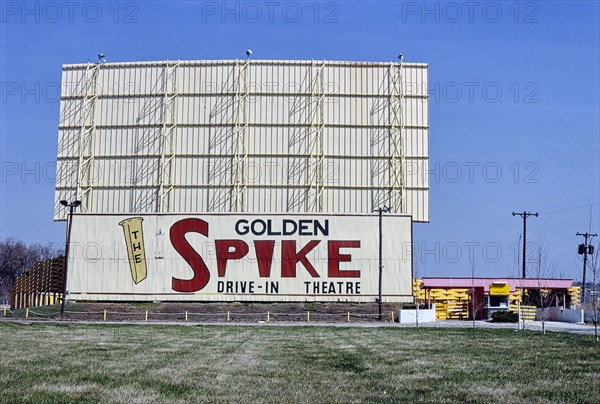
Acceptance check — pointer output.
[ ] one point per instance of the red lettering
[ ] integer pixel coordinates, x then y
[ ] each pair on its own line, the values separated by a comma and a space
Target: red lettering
333, 266
289, 258
183, 247
264, 255
240, 249
232, 249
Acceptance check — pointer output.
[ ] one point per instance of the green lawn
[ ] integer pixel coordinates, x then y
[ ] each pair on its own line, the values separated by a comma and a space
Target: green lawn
150, 363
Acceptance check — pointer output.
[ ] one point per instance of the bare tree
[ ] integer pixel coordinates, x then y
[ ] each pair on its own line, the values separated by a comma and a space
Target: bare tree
16, 257
14, 260
543, 270
592, 308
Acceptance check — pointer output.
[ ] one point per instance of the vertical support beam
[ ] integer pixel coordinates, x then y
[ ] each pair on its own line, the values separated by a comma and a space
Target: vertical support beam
87, 135
167, 145
316, 150
397, 137
240, 136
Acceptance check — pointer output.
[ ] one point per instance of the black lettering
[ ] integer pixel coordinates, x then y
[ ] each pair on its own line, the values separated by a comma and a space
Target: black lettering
304, 230
286, 230
263, 227
270, 231
275, 287
331, 288
243, 230
349, 288
316, 287
324, 230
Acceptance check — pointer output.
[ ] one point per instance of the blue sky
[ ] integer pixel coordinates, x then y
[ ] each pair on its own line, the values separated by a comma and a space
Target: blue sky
514, 104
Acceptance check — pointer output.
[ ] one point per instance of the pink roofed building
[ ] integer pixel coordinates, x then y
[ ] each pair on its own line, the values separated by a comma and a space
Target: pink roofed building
488, 295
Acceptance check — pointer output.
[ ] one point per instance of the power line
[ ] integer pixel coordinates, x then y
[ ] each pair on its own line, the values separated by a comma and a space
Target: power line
556, 229
547, 212
430, 266
549, 208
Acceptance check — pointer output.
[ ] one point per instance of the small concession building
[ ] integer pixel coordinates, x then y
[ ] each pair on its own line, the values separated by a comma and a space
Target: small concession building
457, 298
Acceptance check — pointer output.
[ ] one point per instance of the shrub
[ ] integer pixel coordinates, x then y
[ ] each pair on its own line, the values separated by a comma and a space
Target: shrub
505, 317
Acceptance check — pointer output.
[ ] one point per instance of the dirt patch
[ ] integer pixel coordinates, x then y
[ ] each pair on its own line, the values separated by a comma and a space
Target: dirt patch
232, 312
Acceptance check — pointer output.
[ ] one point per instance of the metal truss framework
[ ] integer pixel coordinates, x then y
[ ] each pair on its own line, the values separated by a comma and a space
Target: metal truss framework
240, 148
378, 146
167, 144
316, 152
87, 136
223, 185
397, 139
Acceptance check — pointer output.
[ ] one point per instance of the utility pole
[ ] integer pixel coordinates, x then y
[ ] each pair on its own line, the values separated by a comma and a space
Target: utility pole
524, 215
380, 211
585, 249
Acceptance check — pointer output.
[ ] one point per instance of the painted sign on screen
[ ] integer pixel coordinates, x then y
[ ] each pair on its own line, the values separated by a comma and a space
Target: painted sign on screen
239, 257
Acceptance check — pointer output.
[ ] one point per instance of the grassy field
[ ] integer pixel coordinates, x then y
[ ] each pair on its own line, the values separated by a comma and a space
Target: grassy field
47, 363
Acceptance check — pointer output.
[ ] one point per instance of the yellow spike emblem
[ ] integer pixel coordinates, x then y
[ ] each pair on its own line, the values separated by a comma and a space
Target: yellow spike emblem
134, 239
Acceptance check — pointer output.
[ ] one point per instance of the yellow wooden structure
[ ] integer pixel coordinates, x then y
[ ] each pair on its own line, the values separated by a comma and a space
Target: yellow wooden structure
41, 285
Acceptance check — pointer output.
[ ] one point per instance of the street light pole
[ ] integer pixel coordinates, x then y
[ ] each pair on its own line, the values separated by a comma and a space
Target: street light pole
380, 211
71, 207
